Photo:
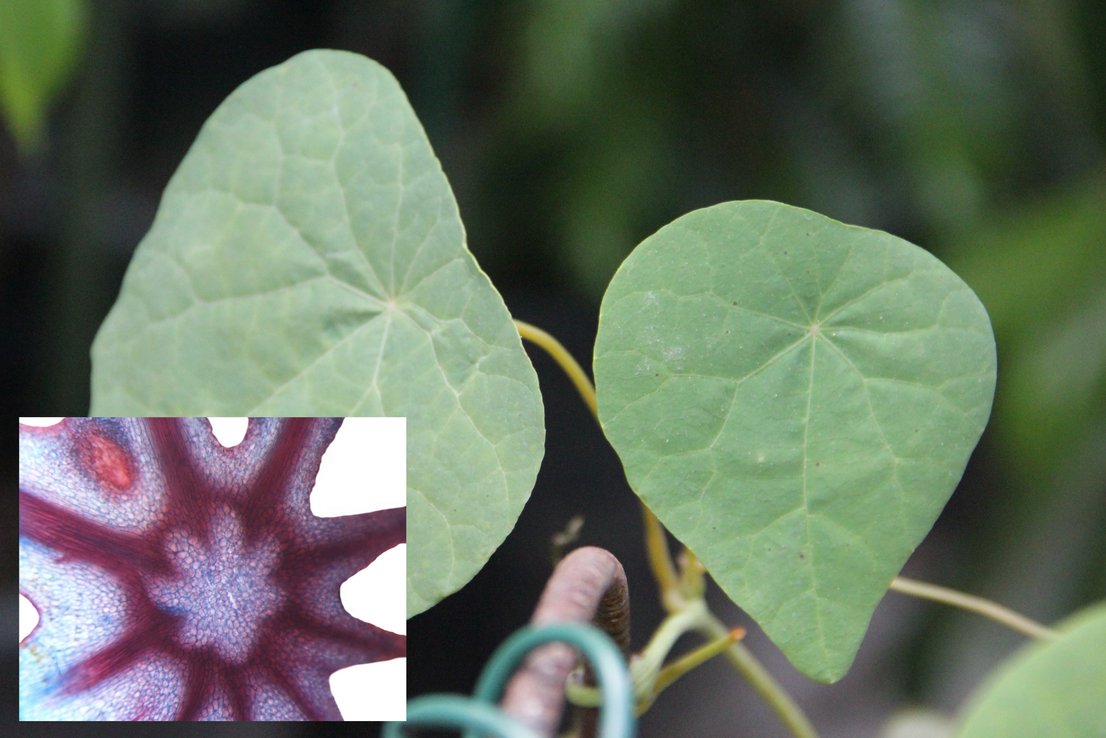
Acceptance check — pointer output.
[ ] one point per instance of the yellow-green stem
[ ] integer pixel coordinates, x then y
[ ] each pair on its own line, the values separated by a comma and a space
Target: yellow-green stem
660, 561
645, 669
746, 664
656, 544
650, 678
693, 582
564, 359
971, 603
673, 671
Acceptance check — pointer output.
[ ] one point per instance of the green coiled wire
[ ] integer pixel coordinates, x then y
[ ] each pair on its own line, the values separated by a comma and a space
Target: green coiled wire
457, 711
479, 714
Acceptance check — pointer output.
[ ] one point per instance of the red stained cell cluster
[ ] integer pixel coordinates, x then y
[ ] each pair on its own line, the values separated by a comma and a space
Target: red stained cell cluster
106, 461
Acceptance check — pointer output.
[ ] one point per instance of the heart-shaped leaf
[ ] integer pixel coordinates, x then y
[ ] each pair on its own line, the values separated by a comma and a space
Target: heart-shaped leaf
1049, 688
795, 399
308, 259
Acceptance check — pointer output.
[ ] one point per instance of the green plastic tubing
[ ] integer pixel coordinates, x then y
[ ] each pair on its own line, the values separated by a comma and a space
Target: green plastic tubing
456, 711
616, 716
479, 714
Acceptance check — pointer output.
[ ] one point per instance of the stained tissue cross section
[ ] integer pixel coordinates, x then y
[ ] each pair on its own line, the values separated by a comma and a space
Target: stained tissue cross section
177, 579
222, 588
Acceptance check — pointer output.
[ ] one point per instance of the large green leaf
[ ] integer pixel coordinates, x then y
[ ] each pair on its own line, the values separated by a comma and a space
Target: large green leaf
308, 259
795, 399
1050, 688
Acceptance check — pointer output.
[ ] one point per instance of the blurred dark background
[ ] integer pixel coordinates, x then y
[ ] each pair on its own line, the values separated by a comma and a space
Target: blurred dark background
572, 129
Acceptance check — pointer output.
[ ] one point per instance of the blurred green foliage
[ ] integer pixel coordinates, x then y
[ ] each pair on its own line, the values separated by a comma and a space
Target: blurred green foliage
39, 45
1041, 270
912, 115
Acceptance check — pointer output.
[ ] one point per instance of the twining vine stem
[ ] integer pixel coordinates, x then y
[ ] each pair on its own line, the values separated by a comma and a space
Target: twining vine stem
565, 361
656, 545
971, 603
673, 594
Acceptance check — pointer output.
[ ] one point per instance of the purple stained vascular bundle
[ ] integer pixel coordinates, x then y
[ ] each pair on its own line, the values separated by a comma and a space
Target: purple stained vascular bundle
180, 580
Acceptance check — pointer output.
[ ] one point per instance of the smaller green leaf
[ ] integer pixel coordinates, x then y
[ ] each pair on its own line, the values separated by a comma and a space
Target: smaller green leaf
1049, 688
39, 40
795, 399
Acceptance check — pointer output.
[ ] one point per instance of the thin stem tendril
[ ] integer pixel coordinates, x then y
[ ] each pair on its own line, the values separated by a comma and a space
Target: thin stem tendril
972, 603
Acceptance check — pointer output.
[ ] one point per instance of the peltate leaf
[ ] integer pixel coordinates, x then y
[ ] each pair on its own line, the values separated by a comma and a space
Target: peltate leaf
1048, 688
308, 259
795, 399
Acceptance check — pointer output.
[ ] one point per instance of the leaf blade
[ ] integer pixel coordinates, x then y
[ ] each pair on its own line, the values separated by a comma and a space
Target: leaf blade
1047, 688
734, 346
308, 259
